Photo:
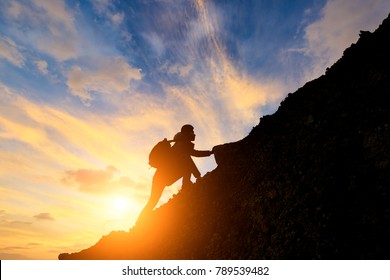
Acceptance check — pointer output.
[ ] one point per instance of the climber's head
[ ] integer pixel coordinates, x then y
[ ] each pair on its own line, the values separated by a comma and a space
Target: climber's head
187, 132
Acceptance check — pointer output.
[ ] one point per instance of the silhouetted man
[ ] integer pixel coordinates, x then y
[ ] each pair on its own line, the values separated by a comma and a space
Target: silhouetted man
180, 165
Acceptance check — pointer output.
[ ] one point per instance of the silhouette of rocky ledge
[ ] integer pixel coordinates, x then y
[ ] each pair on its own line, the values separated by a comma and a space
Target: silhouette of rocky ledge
311, 181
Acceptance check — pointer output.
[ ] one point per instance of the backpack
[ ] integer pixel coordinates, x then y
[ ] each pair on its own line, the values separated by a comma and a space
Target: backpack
160, 154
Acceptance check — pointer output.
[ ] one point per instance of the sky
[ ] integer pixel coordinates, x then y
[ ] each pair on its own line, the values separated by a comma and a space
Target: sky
88, 87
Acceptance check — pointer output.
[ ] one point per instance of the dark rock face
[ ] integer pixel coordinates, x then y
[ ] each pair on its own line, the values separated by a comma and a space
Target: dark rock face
311, 181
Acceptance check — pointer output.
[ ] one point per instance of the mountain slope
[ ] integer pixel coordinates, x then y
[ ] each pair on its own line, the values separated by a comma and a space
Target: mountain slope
311, 181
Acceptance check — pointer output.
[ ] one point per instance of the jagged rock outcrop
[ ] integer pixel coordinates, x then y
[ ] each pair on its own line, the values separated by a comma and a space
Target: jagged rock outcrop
311, 181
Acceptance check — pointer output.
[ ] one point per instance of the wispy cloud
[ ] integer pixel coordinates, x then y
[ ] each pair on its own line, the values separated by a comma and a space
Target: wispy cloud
107, 9
42, 66
52, 27
8, 221
10, 51
338, 28
97, 181
117, 18
216, 89
156, 43
44, 216
104, 76
101, 6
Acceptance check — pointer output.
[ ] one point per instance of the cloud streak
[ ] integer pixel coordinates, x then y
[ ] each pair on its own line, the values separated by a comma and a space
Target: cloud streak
338, 27
217, 89
11, 52
52, 29
106, 76
96, 181
44, 216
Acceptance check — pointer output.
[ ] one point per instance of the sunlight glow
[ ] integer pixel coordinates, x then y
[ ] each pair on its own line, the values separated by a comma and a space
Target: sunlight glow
121, 205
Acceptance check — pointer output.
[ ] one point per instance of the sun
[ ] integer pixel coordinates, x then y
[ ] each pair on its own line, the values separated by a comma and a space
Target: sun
121, 204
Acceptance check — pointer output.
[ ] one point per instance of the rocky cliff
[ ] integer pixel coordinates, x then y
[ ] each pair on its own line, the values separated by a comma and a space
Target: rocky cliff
311, 181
